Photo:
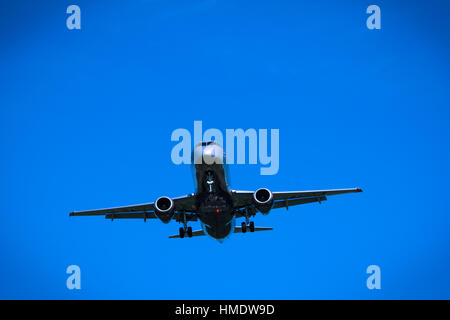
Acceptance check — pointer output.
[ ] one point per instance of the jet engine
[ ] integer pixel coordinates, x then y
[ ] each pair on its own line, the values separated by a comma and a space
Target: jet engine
164, 209
263, 199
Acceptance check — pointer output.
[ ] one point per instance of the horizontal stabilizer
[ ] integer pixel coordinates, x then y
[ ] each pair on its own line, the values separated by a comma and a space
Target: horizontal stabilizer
239, 229
197, 233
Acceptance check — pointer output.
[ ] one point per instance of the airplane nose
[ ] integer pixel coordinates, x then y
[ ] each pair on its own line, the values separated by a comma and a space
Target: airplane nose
210, 154
213, 154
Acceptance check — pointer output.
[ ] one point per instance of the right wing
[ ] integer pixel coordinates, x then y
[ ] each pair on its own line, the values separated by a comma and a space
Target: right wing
285, 199
284, 195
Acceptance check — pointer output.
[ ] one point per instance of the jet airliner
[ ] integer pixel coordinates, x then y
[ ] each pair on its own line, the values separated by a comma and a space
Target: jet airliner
214, 204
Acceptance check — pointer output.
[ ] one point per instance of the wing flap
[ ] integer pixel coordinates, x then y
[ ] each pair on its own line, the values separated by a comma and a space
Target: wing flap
139, 215
148, 215
294, 202
126, 209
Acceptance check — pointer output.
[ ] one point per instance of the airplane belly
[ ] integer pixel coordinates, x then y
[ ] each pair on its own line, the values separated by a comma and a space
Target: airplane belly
219, 226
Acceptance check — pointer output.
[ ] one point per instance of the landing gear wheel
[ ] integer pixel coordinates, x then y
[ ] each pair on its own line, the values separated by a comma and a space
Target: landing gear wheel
189, 232
243, 227
252, 226
181, 232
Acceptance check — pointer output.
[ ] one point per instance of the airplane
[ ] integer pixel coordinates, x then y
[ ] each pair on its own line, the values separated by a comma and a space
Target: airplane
214, 204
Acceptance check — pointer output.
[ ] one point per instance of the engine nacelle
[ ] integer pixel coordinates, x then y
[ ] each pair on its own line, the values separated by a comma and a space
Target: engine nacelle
263, 199
164, 209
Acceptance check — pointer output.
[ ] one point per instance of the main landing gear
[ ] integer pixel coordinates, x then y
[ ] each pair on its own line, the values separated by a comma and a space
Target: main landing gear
251, 227
186, 232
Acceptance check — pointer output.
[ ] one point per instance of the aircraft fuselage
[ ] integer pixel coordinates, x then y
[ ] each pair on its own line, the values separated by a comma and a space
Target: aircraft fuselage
214, 203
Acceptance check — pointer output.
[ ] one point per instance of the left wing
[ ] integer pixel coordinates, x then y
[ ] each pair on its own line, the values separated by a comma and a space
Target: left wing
244, 199
142, 211
145, 207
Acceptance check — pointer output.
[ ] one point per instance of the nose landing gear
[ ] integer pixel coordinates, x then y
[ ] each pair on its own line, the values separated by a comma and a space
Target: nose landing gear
210, 182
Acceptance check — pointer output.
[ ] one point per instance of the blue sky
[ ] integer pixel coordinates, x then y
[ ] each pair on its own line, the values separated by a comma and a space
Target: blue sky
87, 115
